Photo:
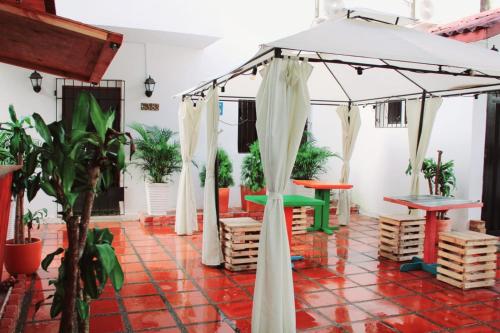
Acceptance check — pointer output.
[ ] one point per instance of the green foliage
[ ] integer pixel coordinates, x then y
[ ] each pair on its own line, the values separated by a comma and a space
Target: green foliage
5, 157
98, 264
34, 217
252, 172
311, 160
225, 174
158, 155
447, 180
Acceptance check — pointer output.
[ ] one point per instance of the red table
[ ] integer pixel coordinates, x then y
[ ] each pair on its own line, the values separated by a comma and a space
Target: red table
322, 192
431, 204
5, 199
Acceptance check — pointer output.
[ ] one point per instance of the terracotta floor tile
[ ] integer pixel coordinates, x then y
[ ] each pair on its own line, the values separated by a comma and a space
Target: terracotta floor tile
448, 318
152, 319
136, 277
344, 313
42, 327
417, 302
411, 324
365, 279
227, 295
476, 329
176, 286
219, 327
302, 286
309, 319
322, 298
480, 312
382, 308
237, 309
138, 289
198, 314
106, 324
318, 273
244, 279
368, 326
215, 283
357, 294
161, 265
449, 297
337, 282
143, 303
390, 290
420, 286
104, 306
188, 298
173, 274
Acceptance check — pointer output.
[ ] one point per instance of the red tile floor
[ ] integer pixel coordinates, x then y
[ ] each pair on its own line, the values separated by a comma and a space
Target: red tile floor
341, 286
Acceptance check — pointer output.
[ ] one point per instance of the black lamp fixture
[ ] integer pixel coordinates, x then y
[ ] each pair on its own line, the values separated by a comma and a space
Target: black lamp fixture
150, 86
36, 81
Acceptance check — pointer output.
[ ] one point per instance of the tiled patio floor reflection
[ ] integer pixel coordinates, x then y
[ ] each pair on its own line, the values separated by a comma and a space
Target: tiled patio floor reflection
341, 286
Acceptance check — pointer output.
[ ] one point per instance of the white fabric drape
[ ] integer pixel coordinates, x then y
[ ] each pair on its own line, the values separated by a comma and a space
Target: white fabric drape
189, 123
351, 122
419, 149
283, 105
211, 252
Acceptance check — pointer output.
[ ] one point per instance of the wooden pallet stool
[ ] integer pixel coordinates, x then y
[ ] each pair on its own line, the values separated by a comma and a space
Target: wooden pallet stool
240, 242
401, 237
477, 226
299, 222
467, 259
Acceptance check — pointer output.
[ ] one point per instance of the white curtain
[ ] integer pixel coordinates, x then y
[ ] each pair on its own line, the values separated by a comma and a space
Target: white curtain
419, 149
351, 122
211, 252
283, 106
189, 123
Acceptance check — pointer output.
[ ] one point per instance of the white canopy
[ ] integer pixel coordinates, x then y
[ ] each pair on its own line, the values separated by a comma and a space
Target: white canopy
361, 60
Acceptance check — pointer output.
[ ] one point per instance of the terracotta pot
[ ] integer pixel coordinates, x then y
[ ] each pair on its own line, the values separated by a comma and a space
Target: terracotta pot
247, 205
223, 200
444, 225
23, 258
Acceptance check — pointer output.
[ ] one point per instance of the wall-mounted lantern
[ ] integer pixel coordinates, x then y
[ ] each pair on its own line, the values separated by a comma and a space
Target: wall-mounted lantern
36, 81
150, 86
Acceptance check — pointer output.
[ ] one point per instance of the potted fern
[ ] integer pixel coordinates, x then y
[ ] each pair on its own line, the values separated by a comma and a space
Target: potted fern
252, 178
158, 155
224, 178
22, 255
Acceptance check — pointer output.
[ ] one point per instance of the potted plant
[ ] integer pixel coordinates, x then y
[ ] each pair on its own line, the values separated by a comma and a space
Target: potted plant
77, 162
22, 150
159, 157
446, 182
25, 258
252, 178
311, 160
224, 178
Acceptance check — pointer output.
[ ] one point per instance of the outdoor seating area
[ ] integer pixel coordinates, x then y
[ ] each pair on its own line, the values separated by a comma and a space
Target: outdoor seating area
211, 166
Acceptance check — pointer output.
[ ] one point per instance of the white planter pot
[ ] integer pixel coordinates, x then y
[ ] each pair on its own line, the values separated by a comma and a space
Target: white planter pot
157, 198
12, 220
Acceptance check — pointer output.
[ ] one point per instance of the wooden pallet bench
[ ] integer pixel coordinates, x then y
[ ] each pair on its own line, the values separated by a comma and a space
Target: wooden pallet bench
401, 237
240, 242
467, 259
477, 226
299, 222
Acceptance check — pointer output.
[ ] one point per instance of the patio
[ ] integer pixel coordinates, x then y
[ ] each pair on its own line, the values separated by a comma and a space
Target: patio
341, 286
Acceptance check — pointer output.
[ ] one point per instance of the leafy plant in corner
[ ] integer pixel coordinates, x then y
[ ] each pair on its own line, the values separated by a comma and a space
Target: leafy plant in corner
158, 155
76, 162
21, 150
252, 172
33, 217
311, 160
225, 167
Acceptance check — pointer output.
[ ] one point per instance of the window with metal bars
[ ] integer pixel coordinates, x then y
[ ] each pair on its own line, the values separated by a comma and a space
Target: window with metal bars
390, 115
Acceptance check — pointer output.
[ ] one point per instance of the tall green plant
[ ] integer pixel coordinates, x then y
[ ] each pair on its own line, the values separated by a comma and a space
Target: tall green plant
447, 179
5, 157
311, 160
34, 217
158, 154
81, 162
225, 167
21, 150
252, 172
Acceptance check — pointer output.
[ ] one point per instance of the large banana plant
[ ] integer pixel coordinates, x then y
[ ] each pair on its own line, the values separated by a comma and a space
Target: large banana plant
79, 162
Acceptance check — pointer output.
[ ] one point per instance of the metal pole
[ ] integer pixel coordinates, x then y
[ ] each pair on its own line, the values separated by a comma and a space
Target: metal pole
421, 124
216, 190
438, 171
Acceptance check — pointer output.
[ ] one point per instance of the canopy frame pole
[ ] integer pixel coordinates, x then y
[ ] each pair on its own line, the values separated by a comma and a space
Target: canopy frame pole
421, 123
405, 76
338, 82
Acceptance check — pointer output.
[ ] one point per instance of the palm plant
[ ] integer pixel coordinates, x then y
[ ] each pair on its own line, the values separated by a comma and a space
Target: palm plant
446, 178
311, 160
77, 162
158, 155
33, 217
5, 156
225, 168
252, 173
21, 150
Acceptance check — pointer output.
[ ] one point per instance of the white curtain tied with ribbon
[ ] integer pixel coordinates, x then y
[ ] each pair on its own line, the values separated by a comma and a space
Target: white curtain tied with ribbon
283, 105
189, 123
211, 252
418, 148
351, 122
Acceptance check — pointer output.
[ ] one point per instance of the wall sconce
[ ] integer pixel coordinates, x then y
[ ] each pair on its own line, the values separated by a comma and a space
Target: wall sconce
36, 81
150, 86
